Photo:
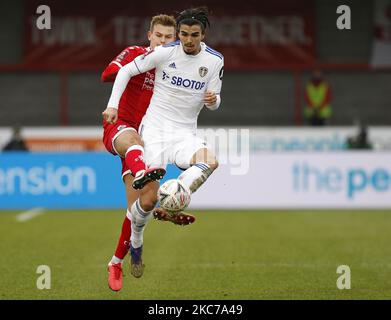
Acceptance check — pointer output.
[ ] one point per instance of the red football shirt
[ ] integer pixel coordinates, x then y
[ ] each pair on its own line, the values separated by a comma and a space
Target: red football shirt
137, 95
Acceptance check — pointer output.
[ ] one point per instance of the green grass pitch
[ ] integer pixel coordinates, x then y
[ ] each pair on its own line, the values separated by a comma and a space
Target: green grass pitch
224, 255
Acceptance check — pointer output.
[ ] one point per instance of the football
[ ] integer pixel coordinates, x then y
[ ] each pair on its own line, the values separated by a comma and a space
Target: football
174, 196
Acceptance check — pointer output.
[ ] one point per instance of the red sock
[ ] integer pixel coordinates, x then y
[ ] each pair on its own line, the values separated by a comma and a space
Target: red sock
124, 240
134, 159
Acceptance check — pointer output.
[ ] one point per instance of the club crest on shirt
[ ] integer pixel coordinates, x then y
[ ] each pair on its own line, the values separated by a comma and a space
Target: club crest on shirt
203, 71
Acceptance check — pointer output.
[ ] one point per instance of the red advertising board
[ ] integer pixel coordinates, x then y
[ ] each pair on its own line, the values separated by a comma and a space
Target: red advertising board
250, 34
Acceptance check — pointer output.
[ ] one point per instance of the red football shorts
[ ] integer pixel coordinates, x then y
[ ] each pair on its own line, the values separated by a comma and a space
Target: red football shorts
111, 132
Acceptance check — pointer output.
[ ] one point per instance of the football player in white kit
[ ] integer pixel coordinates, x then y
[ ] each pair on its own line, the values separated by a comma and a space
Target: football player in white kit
188, 78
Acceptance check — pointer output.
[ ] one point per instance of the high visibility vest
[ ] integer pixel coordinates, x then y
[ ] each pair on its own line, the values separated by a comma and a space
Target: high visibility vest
317, 94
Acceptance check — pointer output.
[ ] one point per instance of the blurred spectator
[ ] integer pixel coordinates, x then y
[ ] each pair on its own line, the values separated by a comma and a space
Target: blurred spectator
318, 98
360, 141
16, 143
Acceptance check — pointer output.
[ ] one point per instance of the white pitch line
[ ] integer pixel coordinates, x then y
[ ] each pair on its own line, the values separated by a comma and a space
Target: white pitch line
30, 214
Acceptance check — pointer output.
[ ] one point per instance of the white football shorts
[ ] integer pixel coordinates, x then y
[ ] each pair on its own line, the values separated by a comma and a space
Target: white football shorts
162, 147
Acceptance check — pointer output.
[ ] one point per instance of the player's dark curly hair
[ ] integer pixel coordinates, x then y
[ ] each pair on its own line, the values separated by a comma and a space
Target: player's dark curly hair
194, 16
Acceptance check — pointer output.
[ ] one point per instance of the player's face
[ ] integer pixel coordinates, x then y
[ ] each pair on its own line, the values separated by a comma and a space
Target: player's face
191, 37
161, 35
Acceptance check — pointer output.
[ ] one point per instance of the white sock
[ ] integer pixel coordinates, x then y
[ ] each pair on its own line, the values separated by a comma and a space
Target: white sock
139, 220
195, 176
129, 215
115, 260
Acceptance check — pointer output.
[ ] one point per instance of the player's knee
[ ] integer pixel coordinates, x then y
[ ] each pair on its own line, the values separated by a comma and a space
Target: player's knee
132, 140
213, 164
136, 140
148, 203
127, 139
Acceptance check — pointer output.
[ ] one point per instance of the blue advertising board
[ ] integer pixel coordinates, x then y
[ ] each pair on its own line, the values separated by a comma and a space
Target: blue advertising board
63, 180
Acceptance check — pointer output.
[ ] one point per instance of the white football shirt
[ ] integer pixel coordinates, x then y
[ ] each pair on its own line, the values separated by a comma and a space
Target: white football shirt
181, 81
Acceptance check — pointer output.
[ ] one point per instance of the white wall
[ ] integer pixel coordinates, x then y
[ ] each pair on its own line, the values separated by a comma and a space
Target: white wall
302, 180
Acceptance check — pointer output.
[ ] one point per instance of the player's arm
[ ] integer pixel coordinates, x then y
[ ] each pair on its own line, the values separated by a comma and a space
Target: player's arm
212, 97
110, 73
119, 86
139, 65
126, 56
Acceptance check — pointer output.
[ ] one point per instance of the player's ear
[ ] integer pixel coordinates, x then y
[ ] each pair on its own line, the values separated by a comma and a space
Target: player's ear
149, 35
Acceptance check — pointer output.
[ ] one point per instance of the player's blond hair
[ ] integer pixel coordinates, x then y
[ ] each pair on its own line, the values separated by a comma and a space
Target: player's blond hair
164, 20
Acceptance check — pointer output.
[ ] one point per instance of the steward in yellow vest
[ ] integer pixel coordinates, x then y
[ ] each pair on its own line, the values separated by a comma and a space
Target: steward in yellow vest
318, 97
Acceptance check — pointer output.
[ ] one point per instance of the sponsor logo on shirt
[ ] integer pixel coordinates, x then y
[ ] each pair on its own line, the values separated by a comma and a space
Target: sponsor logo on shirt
172, 65
165, 75
149, 81
187, 83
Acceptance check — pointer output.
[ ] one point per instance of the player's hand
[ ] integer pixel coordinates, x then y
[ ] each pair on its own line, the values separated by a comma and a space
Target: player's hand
210, 98
110, 115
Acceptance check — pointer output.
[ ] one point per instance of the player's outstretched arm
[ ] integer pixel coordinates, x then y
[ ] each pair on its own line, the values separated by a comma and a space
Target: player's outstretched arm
110, 73
120, 83
126, 56
139, 65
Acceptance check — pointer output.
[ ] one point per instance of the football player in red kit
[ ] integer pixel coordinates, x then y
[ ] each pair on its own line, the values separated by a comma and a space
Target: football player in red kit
120, 131
121, 138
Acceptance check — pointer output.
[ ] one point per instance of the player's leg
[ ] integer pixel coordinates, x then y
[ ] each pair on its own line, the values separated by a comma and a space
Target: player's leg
199, 160
111, 131
193, 177
202, 165
115, 264
192, 153
156, 155
128, 145
141, 213
124, 239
